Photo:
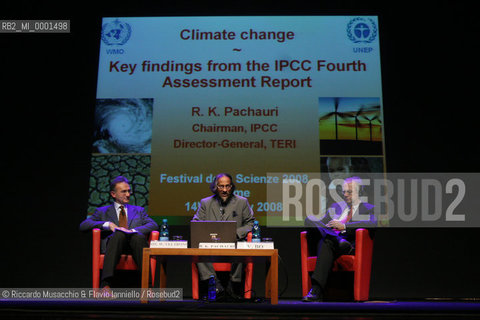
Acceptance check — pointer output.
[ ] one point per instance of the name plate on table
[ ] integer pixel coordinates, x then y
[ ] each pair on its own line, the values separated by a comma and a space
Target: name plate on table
216, 245
169, 244
254, 245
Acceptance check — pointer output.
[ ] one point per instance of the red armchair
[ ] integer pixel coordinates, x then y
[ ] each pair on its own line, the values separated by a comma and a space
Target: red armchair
225, 266
126, 261
360, 264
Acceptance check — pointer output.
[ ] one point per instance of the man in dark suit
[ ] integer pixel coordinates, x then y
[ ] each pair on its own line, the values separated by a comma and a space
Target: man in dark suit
125, 226
334, 234
225, 206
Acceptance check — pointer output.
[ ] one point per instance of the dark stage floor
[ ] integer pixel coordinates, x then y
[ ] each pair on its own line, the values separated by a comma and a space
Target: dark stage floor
286, 309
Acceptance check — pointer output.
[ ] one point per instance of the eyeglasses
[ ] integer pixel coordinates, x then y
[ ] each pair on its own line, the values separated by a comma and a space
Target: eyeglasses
225, 187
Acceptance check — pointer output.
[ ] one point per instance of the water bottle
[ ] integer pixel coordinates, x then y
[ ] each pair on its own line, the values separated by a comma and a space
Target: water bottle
256, 232
164, 231
212, 289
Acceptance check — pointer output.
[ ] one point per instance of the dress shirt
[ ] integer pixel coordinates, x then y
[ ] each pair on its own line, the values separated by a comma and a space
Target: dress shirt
106, 225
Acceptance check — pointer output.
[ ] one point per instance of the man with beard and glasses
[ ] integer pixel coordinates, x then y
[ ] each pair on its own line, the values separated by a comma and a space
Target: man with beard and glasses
223, 205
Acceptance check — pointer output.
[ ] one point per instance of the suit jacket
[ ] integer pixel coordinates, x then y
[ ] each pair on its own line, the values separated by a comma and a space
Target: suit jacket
238, 209
364, 218
137, 219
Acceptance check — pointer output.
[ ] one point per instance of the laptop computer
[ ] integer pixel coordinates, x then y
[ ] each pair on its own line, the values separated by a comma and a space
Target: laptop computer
208, 231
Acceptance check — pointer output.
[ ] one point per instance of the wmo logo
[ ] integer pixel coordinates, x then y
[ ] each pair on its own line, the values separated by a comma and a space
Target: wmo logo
116, 33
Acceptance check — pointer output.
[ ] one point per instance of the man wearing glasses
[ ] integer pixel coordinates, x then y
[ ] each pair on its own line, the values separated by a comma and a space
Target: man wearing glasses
125, 228
334, 234
223, 205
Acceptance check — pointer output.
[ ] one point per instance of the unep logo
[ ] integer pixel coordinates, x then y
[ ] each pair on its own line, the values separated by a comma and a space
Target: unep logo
116, 32
362, 30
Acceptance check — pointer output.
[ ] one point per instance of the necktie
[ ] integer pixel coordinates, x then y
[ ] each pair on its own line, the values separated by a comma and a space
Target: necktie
122, 220
350, 214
